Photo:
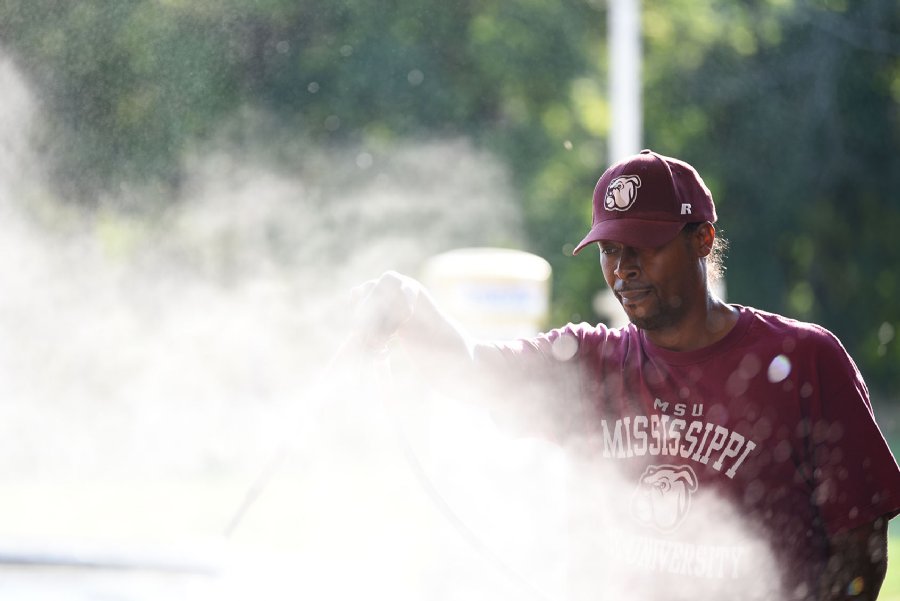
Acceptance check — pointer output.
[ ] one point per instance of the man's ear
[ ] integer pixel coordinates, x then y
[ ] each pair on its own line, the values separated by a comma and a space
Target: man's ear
705, 236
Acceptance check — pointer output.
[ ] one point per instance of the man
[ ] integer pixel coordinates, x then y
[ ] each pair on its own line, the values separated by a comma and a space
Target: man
712, 414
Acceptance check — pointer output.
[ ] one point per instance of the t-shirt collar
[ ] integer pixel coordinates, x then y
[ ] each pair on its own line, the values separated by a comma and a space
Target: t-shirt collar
745, 318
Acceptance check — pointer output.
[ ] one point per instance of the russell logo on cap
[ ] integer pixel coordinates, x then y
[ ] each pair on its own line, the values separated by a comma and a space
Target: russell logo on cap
622, 192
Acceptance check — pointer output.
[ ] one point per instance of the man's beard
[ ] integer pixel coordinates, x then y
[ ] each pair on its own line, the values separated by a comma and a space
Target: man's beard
667, 315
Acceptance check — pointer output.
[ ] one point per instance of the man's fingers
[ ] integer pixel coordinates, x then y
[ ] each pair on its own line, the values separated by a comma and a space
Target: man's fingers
382, 306
358, 293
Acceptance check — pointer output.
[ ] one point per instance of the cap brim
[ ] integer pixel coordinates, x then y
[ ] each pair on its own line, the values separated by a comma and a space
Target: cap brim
639, 233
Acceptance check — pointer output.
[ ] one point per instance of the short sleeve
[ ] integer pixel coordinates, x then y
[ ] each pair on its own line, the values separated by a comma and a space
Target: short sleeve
855, 476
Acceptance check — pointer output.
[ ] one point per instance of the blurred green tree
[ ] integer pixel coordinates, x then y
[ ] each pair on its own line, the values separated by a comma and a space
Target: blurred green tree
788, 107
792, 111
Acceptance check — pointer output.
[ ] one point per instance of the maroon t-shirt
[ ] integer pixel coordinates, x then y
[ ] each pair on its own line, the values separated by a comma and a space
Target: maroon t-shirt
768, 431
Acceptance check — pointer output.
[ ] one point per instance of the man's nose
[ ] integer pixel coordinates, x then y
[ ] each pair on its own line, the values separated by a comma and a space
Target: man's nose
627, 267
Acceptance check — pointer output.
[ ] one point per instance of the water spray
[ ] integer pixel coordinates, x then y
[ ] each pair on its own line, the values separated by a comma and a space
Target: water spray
377, 364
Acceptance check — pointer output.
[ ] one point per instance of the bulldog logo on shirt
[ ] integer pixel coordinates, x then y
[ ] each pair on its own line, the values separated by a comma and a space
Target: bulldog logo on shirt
622, 192
663, 496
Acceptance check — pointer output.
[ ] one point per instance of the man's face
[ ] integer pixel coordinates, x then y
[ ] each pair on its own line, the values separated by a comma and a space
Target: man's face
656, 286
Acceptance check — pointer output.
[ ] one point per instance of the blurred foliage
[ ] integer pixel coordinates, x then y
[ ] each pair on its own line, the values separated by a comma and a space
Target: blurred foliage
792, 110
789, 108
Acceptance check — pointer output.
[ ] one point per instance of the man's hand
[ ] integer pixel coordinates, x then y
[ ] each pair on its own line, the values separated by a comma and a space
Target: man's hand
857, 563
441, 351
383, 306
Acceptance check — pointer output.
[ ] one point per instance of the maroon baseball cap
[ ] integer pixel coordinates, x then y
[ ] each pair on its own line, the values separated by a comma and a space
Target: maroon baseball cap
645, 200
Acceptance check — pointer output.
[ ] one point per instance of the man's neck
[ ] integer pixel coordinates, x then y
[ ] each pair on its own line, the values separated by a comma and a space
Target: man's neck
698, 329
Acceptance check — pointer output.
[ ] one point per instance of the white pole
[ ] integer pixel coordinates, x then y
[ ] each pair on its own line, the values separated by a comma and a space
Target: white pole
624, 39
625, 78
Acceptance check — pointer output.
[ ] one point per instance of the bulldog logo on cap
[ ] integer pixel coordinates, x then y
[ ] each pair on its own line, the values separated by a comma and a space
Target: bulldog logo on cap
622, 192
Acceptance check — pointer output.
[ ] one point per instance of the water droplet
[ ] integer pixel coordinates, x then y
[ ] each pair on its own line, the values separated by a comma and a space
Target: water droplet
364, 160
564, 347
886, 332
779, 369
856, 586
415, 77
789, 344
346, 50
332, 122
313, 87
750, 365
782, 452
